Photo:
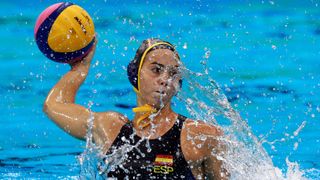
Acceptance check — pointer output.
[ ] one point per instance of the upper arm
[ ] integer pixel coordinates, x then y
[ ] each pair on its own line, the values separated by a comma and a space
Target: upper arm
72, 118
75, 119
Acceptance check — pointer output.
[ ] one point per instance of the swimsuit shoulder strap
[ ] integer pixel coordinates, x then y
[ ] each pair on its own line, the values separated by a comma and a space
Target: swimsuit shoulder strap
182, 117
181, 120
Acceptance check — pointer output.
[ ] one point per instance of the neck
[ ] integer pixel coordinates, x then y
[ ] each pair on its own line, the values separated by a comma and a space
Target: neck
164, 117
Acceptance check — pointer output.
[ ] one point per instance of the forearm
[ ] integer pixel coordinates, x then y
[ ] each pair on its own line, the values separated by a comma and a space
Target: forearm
65, 90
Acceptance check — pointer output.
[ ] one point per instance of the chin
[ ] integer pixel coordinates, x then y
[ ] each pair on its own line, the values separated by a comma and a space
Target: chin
158, 104
155, 101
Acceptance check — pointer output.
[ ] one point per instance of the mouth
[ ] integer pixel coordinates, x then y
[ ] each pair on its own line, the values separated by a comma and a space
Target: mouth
163, 93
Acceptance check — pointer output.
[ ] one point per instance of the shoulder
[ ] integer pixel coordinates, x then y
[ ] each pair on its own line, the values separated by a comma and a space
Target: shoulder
110, 117
201, 128
109, 120
106, 126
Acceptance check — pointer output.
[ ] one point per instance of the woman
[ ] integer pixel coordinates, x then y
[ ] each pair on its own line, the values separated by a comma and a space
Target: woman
164, 144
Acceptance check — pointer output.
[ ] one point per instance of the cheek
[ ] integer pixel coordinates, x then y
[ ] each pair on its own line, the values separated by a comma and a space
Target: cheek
146, 81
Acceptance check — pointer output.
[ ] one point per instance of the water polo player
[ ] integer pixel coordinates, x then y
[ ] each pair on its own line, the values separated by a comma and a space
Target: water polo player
166, 145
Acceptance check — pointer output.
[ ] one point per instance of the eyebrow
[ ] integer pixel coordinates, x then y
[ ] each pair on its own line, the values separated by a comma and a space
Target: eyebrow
162, 64
158, 64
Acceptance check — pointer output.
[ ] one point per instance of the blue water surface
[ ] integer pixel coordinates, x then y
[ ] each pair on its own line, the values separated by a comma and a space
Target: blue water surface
263, 54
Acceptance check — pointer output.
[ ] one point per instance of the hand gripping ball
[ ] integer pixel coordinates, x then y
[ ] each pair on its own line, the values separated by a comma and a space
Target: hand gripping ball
64, 32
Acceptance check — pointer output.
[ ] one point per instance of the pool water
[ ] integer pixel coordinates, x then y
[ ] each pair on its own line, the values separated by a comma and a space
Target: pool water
263, 54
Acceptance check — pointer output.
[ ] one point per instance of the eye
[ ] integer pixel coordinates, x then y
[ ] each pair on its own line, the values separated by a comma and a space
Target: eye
157, 69
173, 72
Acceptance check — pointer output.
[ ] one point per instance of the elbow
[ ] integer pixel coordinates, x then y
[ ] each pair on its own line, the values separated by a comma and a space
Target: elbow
46, 108
47, 104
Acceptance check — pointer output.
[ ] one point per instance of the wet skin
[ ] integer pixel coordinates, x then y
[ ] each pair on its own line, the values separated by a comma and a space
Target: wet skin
159, 81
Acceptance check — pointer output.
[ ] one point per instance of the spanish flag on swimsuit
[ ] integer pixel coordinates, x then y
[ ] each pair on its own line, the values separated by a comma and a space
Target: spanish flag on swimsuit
163, 160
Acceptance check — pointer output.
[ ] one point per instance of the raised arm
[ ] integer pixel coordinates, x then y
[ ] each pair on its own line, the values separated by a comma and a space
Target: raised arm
60, 103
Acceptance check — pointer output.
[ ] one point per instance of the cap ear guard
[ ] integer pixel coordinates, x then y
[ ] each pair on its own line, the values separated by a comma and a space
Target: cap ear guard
132, 71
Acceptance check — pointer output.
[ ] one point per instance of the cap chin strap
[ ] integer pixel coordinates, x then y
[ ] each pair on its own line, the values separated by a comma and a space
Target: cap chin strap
147, 110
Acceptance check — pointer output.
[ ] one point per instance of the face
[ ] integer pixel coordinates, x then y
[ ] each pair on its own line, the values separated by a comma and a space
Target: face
159, 78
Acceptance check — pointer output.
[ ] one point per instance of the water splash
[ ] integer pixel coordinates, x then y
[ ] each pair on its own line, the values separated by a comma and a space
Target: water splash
244, 158
88, 160
244, 153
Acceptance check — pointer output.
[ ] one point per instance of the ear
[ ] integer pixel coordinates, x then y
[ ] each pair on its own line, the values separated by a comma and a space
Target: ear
180, 86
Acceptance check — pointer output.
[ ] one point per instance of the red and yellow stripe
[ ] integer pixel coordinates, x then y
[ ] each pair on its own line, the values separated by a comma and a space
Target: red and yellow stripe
166, 160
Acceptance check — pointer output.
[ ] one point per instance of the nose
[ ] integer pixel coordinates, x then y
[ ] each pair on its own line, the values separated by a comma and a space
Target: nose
164, 79
164, 83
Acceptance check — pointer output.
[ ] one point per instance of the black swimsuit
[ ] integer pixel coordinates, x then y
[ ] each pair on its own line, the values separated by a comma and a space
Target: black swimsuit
160, 158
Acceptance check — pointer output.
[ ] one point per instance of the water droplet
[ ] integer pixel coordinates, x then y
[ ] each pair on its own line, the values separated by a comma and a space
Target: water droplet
98, 75
90, 103
123, 138
203, 137
295, 146
185, 46
207, 54
189, 101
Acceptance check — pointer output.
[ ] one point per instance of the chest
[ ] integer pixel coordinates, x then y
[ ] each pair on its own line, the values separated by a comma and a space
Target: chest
131, 156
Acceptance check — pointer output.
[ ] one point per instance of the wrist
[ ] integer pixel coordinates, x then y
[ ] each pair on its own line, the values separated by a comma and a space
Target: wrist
81, 70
